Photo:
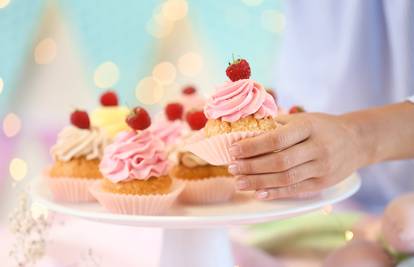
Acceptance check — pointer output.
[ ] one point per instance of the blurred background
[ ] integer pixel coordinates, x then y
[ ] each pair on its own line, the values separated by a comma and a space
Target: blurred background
56, 56
59, 55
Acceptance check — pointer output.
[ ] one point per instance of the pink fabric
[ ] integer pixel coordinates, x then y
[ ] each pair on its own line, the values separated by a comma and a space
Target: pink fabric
134, 155
235, 100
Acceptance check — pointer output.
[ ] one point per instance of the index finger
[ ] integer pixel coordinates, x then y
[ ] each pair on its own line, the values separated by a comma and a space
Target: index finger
278, 139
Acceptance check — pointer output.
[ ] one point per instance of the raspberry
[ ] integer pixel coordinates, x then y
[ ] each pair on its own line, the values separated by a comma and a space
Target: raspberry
196, 119
189, 90
238, 70
138, 119
80, 119
109, 98
296, 109
174, 111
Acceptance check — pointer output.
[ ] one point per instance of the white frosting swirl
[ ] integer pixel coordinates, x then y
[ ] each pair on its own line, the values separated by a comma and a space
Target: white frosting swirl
73, 142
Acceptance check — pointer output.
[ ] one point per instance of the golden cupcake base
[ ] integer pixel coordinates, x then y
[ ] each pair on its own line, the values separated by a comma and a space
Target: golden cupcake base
154, 185
249, 123
199, 172
76, 168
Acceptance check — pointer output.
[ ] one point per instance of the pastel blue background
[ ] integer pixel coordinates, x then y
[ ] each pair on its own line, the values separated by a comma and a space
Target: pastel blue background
115, 30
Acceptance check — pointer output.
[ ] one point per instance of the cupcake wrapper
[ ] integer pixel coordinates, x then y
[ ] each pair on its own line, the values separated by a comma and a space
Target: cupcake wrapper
215, 150
69, 189
136, 204
208, 191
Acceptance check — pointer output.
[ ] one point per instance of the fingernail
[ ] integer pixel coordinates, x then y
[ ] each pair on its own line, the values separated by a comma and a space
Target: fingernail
242, 183
262, 194
234, 169
234, 151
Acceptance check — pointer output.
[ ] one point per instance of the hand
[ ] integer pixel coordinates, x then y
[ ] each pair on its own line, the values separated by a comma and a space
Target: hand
310, 152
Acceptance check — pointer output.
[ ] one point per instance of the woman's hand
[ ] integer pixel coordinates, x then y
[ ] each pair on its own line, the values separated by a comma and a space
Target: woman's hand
307, 154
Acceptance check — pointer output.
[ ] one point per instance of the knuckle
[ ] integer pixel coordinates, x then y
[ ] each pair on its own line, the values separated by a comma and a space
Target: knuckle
246, 147
258, 183
276, 141
283, 162
246, 167
308, 123
289, 177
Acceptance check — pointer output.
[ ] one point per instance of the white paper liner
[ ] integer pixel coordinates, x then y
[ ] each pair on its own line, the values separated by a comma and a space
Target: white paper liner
137, 204
69, 189
215, 150
208, 191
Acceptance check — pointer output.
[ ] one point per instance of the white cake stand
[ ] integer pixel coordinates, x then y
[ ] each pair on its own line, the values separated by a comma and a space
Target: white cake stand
196, 236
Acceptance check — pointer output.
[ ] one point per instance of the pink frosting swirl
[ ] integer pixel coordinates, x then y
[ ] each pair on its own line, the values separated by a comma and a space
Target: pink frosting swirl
170, 132
134, 155
235, 100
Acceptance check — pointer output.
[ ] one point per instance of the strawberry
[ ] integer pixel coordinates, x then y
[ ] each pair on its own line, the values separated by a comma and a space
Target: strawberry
174, 111
189, 90
196, 119
138, 119
296, 109
80, 119
109, 98
238, 70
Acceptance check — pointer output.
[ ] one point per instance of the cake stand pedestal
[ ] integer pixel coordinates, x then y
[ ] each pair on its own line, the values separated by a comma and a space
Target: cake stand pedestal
196, 236
196, 247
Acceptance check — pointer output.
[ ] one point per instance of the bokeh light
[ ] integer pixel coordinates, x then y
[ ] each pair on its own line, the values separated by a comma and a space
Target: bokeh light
106, 75
252, 2
190, 64
273, 21
164, 72
1, 85
37, 210
11, 125
149, 91
159, 27
45, 51
4, 3
349, 235
174, 9
18, 169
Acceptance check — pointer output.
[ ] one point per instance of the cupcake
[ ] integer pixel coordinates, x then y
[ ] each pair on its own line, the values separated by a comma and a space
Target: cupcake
76, 156
191, 99
169, 125
204, 183
110, 117
240, 108
135, 170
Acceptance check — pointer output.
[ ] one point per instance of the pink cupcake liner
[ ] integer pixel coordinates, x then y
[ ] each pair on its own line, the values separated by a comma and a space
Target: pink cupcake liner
210, 190
215, 150
136, 204
70, 189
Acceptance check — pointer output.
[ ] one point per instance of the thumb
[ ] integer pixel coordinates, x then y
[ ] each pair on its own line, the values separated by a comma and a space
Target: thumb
284, 119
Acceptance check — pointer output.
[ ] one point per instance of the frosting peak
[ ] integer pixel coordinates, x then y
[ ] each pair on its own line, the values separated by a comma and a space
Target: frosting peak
134, 155
73, 142
111, 119
235, 100
169, 131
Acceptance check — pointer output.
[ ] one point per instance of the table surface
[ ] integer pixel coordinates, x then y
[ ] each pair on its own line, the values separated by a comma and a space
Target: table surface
76, 242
